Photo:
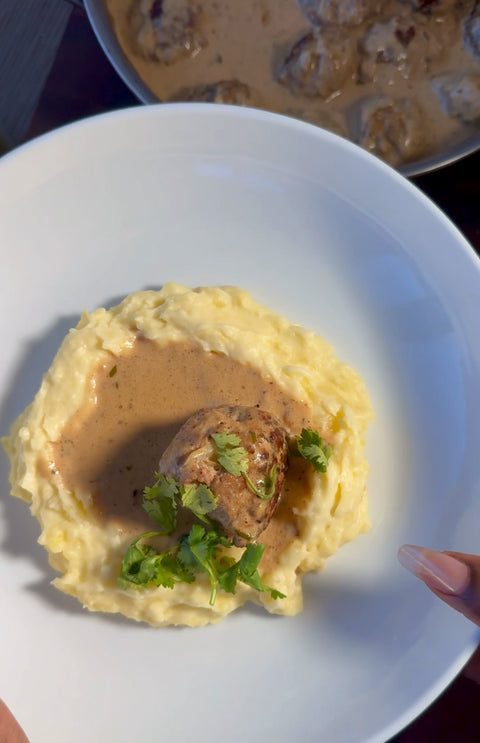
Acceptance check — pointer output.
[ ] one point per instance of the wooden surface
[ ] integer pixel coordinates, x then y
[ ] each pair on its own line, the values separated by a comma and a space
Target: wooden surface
75, 81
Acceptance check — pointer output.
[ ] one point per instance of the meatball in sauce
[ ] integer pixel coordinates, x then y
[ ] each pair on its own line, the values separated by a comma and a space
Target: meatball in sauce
318, 60
191, 458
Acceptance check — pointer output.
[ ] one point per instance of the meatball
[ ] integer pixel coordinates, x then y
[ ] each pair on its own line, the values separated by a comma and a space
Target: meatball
402, 45
343, 12
225, 91
191, 457
166, 30
471, 33
390, 129
319, 63
459, 95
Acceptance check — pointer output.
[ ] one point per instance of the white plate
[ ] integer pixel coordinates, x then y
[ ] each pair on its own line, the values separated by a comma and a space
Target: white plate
325, 234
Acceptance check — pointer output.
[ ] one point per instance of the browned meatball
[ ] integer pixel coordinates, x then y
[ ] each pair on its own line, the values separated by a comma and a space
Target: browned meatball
459, 95
391, 129
225, 91
319, 63
343, 12
401, 47
166, 30
191, 457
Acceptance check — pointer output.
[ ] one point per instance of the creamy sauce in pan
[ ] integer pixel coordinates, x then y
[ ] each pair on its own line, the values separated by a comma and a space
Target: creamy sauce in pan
248, 42
143, 397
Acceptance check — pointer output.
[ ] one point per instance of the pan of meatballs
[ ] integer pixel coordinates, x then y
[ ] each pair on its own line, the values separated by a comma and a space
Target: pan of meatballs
400, 78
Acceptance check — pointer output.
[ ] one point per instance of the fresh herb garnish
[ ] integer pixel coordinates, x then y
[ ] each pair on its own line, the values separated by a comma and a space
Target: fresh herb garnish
314, 449
199, 499
203, 549
234, 459
112, 371
162, 500
246, 571
143, 565
200, 551
268, 484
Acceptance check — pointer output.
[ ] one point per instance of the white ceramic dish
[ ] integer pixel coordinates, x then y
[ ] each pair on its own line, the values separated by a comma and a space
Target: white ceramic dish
325, 234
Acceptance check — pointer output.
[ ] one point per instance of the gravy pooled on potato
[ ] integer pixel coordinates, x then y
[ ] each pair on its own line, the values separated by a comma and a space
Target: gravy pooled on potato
119, 398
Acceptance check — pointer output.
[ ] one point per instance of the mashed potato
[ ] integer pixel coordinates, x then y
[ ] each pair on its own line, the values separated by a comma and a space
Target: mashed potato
133, 374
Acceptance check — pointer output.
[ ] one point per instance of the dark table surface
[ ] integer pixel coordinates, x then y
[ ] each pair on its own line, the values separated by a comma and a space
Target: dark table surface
81, 83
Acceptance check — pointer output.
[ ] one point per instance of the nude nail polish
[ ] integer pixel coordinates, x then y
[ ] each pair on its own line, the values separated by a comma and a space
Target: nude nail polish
437, 569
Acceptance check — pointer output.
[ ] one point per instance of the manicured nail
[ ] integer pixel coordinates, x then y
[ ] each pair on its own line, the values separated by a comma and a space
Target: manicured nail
438, 570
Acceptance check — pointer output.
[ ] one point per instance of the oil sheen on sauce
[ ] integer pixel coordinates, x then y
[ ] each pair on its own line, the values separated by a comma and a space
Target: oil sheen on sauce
247, 40
142, 398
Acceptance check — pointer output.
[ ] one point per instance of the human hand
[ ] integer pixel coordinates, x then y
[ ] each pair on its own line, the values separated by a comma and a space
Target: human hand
455, 578
10, 730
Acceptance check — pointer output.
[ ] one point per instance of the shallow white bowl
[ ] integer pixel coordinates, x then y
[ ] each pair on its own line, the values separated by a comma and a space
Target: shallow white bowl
325, 234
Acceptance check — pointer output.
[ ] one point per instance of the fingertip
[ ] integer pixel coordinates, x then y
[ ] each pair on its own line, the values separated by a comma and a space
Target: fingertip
438, 570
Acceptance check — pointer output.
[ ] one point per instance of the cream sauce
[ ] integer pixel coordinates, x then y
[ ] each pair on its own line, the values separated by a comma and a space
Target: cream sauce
247, 41
142, 399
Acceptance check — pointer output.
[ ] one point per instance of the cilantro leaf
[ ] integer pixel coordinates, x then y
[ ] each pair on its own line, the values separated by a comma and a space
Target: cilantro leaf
314, 449
246, 571
199, 499
268, 484
161, 502
232, 457
228, 577
203, 549
199, 551
144, 565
